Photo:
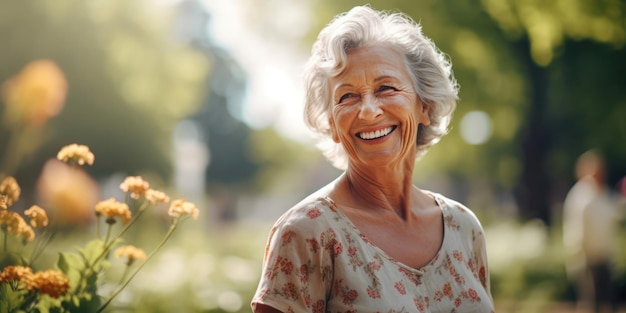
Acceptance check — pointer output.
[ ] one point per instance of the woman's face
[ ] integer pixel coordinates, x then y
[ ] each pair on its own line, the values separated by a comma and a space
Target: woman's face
376, 111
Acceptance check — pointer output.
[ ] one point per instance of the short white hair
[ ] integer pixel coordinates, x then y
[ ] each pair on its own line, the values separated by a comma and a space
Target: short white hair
429, 69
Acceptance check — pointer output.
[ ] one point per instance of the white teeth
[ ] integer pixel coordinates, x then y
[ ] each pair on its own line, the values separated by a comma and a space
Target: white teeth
376, 134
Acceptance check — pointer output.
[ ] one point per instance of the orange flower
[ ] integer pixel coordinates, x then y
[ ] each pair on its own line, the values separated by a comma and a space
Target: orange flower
51, 282
135, 185
76, 153
111, 209
16, 273
34, 95
131, 252
155, 196
10, 189
38, 217
16, 225
181, 207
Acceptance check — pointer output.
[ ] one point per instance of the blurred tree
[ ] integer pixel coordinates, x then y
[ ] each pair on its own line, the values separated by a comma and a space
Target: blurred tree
554, 42
232, 167
129, 81
528, 65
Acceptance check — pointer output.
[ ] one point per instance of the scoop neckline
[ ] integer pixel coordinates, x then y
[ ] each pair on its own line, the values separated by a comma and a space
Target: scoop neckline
432, 263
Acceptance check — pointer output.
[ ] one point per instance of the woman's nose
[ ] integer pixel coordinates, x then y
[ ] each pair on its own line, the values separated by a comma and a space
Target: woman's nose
370, 108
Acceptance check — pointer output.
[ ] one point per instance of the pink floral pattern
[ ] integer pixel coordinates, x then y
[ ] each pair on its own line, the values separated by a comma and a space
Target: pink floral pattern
317, 261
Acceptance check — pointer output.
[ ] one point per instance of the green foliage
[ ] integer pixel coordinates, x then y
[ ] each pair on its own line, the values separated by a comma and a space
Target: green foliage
550, 24
74, 287
83, 270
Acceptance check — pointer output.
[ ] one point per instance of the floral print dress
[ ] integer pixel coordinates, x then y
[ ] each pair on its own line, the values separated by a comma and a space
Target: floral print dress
316, 260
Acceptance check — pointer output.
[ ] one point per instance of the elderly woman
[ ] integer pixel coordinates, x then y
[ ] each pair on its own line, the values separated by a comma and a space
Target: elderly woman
371, 241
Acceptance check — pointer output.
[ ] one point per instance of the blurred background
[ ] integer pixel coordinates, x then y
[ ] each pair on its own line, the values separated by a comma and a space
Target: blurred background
203, 98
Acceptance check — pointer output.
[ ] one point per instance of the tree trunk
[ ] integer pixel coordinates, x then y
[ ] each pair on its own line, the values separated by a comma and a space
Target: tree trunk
533, 189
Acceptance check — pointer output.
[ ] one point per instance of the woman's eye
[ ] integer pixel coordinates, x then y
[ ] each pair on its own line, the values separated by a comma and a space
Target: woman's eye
345, 97
386, 88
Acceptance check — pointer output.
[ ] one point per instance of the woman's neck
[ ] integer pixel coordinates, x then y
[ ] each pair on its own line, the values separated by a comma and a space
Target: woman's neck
381, 188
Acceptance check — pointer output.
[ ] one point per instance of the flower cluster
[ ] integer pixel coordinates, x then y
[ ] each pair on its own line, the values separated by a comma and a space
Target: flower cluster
75, 281
80, 154
48, 282
15, 225
38, 217
180, 208
12, 222
111, 209
155, 196
9, 191
29, 99
130, 252
136, 186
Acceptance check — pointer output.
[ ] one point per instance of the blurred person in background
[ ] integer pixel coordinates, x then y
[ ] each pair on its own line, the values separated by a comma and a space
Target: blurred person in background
590, 220
381, 93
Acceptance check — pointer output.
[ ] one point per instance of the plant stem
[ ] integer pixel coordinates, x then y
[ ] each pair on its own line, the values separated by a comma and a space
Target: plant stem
6, 237
108, 245
167, 236
28, 301
98, 226
106, 238
41, 245
134, 219
125, 274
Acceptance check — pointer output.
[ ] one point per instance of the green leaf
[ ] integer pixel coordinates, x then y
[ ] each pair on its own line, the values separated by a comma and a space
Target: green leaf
47, 304
70, 261
9, 298
84, 302
92, 250
95, 248
71, 265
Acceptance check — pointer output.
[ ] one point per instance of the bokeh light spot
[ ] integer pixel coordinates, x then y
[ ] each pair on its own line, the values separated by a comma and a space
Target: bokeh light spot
230, 301
476, 127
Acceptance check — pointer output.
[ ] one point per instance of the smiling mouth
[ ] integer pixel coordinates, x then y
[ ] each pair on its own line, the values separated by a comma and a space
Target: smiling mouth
376, 134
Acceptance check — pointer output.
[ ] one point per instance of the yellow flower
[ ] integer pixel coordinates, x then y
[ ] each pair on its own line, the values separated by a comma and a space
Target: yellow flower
16, 225
10, 189
34, 95
26, 232
76, 153
3, 202
16, 273
38, 217
181, 207
111, 209
51, 282
155, 196
135, 185
131, 252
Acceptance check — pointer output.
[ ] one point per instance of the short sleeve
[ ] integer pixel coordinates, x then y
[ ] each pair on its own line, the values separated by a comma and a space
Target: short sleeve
297, 271
473, 231
480, 257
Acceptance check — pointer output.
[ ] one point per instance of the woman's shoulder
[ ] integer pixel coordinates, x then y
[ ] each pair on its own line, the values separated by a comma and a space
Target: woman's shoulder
457, 212
307, 215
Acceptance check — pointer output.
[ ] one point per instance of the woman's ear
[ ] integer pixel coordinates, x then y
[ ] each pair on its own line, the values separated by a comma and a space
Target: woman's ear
422, 113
